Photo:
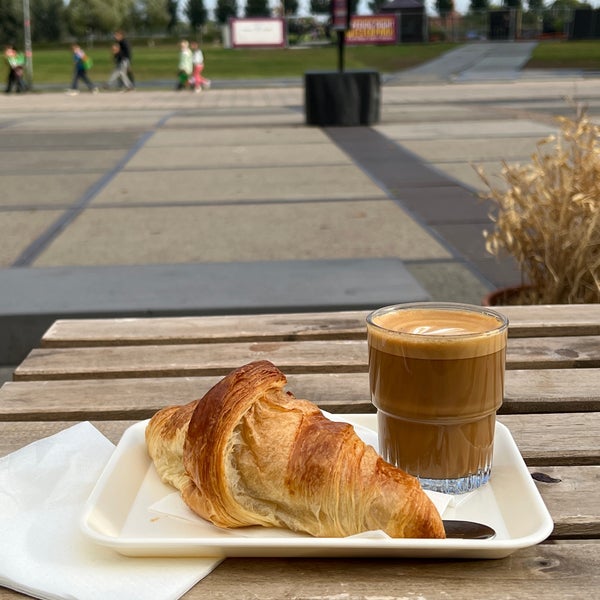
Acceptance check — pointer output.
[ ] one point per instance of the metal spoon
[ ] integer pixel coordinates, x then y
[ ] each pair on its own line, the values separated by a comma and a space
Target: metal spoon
468, 530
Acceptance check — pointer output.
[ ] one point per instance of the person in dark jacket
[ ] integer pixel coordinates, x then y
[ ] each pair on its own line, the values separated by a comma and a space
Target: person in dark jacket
119, 74
126, 56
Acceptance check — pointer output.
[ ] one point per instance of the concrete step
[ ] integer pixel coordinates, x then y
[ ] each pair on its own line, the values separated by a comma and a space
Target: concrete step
31, 299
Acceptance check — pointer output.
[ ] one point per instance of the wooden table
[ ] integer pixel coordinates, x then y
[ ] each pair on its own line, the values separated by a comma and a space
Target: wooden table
114, 372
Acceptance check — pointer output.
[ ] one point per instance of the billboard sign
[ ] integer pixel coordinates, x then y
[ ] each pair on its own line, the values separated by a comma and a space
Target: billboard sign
257, 33
374, 29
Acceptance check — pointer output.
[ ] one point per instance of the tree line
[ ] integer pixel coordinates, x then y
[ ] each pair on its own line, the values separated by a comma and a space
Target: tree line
446, 7
53, 20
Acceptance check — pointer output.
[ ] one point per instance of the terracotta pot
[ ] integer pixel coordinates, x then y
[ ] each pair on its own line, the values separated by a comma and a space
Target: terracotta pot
506, 296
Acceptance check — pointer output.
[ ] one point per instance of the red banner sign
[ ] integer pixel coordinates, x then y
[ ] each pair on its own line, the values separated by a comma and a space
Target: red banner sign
374, 29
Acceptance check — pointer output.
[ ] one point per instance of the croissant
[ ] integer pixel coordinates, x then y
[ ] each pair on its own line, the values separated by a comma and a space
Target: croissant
248, 453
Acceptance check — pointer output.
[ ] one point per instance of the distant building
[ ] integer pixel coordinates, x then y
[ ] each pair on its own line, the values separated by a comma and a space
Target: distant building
412, 19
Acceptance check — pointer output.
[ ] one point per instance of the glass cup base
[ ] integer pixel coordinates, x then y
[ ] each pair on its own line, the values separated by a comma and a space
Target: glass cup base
461, 485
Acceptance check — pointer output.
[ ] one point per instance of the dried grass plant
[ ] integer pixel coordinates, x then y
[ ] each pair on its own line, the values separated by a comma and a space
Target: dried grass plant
547, 215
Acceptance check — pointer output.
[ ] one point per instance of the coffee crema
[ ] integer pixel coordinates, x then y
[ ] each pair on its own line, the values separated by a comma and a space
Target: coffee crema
436, 333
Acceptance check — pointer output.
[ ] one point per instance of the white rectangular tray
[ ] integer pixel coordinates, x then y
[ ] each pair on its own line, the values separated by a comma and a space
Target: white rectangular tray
117, 514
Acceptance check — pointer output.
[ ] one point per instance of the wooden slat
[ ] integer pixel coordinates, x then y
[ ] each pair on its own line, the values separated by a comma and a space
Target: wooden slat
551, 390
335, 356
531, 391
552, 320
202, 330
182, 360
97, 398
552, 571
556, 439
553, 352
571, 495
19, 434
525, 321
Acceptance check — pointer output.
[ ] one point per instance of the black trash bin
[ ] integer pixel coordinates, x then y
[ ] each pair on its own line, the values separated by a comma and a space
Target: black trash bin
346, 98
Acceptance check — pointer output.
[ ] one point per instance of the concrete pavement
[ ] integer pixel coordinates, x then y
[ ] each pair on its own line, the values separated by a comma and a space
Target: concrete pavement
483, 62
108, 183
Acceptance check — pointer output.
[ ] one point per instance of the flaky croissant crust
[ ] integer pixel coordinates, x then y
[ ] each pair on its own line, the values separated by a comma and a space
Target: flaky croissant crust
248, 453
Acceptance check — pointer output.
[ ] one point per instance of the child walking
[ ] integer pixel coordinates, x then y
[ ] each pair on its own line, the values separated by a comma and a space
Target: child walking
15, 62
81, 66
185, 65
197, 80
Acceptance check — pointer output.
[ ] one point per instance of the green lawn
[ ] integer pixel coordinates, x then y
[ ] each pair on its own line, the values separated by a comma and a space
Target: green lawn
159, 62
580, 54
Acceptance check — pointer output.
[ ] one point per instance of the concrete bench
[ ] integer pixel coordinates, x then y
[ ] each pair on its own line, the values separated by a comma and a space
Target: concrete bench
31, 299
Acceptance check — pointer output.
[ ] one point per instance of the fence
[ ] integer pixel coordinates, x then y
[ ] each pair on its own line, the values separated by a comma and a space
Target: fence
515, 24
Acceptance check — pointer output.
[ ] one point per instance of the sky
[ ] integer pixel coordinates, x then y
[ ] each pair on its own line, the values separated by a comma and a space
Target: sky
363, 7
461, 6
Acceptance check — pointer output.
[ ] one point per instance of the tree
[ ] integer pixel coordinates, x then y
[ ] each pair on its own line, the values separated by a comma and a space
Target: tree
257, 8
195, 13
291, 7
172, 7
46, 20
322, 7
479, 6
156, 15
444, 8
100, 16
319, 7
225, 10
135, 17
375, 6
563, 4
11, 21
513, 3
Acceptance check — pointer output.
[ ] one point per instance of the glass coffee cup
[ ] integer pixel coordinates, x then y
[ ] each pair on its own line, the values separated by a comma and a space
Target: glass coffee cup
436, 373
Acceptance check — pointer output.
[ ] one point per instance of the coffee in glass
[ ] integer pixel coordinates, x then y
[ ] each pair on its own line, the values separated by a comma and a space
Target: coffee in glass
436, 374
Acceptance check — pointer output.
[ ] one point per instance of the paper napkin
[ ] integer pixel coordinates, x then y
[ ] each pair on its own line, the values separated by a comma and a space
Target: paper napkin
43, 553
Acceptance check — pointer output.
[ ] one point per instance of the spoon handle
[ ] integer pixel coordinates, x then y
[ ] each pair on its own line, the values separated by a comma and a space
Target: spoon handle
468, 530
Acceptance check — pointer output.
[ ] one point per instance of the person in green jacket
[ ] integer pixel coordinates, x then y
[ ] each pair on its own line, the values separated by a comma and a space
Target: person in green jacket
185, 67
15, 62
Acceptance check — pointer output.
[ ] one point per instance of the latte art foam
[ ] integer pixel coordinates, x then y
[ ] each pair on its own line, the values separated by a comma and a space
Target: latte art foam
433, 330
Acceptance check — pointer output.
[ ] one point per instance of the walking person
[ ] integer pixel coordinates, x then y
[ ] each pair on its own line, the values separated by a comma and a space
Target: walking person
120, 69
15, 62
126, 55
81, 64
185, 66
197, 80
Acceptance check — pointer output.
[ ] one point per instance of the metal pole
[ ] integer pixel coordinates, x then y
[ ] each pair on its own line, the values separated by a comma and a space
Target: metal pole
341, 45
27, 36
